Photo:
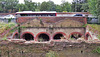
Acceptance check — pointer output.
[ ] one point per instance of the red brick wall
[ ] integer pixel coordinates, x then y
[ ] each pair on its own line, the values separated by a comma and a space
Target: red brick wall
51, 19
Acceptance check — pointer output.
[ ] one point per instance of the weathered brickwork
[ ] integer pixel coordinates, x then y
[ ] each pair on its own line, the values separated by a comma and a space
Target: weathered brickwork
52, 28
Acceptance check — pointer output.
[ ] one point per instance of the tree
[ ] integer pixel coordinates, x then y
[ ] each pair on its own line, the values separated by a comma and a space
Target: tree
52, 6
21, 7
66, 6
10, 5
44, 6
80, 6
58, 8
85, 7
38, 5
1, 9
31, 5
98, 7
1, 5
92, 6
98, 10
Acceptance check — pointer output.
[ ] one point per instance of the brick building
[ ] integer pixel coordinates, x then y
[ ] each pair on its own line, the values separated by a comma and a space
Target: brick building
55, 28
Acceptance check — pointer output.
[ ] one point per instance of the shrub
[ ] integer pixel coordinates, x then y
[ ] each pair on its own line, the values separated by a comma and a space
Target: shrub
97, 50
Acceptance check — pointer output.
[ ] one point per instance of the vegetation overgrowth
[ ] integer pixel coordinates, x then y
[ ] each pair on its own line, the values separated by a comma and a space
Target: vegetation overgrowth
6, 27
95, 28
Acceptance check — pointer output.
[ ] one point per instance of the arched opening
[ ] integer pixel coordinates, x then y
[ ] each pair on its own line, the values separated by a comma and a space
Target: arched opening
75, 36
28, 37
58, 36
88, 36
15, 36
43, 37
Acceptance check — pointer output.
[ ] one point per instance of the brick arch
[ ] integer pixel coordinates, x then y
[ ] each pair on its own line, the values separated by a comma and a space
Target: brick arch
27, 33
75, 33
59, 33
86, 36
43, 33
14, 34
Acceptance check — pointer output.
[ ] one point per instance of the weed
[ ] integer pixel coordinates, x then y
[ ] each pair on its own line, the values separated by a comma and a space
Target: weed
98, 36
97, 50
4, 38
85, 25
52, 54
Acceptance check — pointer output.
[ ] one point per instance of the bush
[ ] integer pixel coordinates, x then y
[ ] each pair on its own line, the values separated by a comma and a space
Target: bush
97, 50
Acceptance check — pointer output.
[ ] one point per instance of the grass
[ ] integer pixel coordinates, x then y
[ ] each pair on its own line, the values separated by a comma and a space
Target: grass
52, 54
4, 38
95, 27
5, 26
97, 50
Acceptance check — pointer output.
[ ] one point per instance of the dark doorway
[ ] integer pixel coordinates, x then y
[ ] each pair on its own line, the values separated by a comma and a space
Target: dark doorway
28, 37
58, 36
76, 36
43, 37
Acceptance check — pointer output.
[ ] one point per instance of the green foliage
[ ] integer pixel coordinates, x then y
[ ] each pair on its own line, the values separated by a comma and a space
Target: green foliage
58, 8
48, 6
9, 20
6, 26
95, 27
44, 6
85, 25
85, 7
9, 5
11, 24
97, 50
31, 6
66, 6
92, 6
4, 38
99, 19
1, 9
19, 10
11, 31
22, 27
64, 11
52, 54
98, 7
98, 36
76, 7
21, 7
13, 6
